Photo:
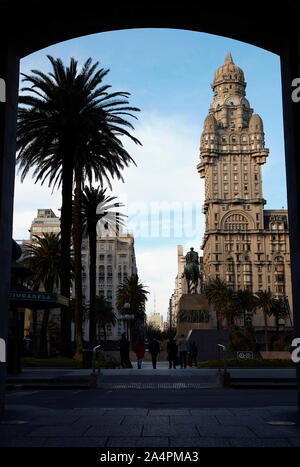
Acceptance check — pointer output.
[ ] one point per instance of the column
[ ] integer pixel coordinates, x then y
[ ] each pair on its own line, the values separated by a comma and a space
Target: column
290, 69
9, 73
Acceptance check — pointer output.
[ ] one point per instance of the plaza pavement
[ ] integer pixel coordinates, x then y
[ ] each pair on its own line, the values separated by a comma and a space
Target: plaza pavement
157, 416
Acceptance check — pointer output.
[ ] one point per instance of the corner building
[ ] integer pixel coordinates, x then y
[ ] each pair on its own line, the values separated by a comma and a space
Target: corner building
243, 244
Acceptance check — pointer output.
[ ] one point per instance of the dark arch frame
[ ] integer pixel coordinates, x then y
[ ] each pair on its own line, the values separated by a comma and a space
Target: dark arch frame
26, 28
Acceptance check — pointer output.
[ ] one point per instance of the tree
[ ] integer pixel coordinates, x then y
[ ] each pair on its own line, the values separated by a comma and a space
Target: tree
278, 311
241, 339
216, 292
104, 315
69, 130
245, 301
132, 291
95, 208
43, 257
265, 302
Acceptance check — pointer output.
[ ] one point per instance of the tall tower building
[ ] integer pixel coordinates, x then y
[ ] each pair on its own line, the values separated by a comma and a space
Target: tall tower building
243, 244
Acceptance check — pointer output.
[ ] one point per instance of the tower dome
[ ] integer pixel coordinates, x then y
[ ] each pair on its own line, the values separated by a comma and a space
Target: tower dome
229, 72
256, 124
210, 124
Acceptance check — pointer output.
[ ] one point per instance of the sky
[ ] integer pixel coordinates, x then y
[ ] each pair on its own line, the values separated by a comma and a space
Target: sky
168, 74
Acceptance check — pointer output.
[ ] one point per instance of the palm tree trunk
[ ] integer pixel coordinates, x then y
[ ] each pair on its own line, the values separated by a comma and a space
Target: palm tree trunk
34, 333
77, 239
43, 351
93, 252
266, 331
65, 275
99, 332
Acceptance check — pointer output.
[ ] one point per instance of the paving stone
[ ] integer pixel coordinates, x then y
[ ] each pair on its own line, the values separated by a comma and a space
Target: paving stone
213, 412
75, 442
260, 442
275, 431
146, 420
57, 431
100, 419
138, 442
196, 419
23, 442
220, 431
114, 430
240, 420
169, 412
127, 411
88, 411
294, 442
180, 431
54, 420
199, 442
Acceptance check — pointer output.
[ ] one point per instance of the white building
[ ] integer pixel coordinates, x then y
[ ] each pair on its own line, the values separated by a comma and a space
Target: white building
156, 320
115, 261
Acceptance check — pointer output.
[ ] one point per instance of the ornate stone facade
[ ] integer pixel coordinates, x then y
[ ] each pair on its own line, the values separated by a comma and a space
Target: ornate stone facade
243, 244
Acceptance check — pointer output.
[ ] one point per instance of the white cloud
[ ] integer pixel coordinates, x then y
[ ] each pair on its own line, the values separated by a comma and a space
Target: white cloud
165, 174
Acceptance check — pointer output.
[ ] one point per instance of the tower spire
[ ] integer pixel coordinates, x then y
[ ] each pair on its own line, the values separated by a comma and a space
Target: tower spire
228, 58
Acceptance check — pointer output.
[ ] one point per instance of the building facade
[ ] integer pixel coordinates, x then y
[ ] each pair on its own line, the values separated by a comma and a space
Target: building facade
244, 244
45, 222
156, 320
115, 262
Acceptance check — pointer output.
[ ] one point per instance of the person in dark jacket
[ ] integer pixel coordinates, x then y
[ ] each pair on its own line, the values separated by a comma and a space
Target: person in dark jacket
172, 350
194, 353
154, 349
124, 352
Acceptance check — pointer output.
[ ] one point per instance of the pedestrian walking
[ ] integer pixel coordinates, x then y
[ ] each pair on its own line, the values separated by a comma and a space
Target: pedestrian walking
154, 349
182, 347
139, 348
194, 353
124, 352
172, 350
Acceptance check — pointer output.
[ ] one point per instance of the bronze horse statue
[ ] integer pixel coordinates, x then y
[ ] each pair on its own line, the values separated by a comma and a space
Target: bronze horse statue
191, 271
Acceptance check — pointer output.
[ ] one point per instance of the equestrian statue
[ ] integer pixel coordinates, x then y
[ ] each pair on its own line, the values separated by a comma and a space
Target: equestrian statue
191, 271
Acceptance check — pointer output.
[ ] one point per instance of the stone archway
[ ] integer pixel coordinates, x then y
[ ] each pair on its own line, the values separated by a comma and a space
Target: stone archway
276, 29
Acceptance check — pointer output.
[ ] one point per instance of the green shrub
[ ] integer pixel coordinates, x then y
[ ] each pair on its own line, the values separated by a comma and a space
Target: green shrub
241, 339
281, 345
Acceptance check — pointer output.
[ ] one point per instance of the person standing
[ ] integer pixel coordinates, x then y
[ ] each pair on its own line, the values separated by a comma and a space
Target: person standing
139, 348
172, 350
124, 352
194, 354
182, 347
154, 349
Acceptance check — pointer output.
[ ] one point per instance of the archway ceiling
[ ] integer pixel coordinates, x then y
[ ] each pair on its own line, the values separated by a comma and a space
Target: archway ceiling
32, 25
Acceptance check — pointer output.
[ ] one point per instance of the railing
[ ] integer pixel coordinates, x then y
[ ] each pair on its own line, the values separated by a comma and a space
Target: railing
222, 348
96, 349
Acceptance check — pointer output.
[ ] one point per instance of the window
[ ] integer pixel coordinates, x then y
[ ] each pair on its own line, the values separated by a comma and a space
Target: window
225, 187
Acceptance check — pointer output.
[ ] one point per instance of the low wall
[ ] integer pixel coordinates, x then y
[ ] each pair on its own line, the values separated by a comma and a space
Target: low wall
273, 354
116, 354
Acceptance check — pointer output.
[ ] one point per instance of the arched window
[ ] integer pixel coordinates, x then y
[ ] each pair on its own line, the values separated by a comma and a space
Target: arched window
236, 222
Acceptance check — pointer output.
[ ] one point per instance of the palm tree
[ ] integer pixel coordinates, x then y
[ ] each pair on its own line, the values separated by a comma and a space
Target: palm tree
132, 291
69, 130
245, 302
43, 257
104, 315
95, 208
216, 293
265, 302
278, 311
231, 311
